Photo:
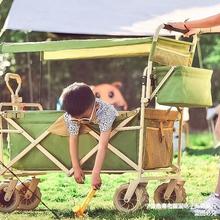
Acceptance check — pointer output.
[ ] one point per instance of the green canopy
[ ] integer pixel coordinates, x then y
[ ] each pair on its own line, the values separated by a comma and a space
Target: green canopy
70, 44
99, 48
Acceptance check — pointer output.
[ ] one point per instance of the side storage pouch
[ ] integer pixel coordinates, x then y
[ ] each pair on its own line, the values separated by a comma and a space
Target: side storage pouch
186, 87
158, 148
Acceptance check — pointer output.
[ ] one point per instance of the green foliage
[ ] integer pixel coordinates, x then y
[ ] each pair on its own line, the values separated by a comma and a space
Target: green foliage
4, 8
210, 46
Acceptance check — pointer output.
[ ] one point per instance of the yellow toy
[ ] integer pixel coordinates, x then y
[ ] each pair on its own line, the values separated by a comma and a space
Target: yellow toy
79, 210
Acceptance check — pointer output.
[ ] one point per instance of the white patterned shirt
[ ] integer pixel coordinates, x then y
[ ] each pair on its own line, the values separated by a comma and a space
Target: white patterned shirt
105, 116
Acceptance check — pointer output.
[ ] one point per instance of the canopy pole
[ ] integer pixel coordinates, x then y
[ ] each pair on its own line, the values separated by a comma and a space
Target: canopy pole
49, 84
40, 80
2, 32
29, 73
199, 51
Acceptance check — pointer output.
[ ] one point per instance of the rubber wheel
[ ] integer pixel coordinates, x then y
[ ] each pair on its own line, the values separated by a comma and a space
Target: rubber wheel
177, 196
30, 203
144, 197
12, 204
137, 201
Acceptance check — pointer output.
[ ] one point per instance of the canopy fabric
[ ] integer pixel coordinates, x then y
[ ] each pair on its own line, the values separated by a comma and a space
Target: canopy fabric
123, 48
70, 44
113, 51
96, 48
98, 17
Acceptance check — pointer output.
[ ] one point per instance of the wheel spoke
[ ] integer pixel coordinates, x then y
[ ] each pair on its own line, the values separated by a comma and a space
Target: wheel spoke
30, 203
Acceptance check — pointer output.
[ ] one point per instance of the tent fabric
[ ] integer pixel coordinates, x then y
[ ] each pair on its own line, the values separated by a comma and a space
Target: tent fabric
98, 17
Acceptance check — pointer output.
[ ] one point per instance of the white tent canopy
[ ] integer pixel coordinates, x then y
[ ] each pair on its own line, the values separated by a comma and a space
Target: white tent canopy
113, 17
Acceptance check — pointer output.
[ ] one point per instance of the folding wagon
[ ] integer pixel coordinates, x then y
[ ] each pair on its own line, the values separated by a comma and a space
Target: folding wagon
140, 142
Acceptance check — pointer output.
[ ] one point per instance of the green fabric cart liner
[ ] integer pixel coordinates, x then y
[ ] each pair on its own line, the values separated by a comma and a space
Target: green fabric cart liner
36, 122
186, 87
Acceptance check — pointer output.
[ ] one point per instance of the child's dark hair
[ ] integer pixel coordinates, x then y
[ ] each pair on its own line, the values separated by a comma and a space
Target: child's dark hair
77, 98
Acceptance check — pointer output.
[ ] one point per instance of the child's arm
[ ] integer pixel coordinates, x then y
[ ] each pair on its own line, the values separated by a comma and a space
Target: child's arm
103, 144
73, 147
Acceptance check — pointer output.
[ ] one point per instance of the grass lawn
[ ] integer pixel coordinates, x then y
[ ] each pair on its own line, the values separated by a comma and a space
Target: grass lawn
61, 193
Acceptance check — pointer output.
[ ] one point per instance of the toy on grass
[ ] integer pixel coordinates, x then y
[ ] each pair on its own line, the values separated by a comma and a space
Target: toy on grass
79, 210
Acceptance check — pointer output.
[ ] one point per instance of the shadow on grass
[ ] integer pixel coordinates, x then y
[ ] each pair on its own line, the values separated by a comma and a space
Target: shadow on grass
165, 214
100, 213
208, 151
56, 214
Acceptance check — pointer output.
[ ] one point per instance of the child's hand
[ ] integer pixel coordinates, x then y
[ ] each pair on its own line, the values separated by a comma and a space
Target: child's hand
96, 181
79, 175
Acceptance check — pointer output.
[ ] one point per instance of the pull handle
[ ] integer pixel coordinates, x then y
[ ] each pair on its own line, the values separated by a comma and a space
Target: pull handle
171, 28
16, 77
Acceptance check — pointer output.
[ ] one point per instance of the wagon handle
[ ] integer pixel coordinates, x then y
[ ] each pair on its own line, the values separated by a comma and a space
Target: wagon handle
16, 101
167, 27
171, 28
16, 77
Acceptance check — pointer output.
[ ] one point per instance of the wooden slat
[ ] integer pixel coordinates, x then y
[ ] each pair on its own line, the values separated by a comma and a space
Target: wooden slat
34, 142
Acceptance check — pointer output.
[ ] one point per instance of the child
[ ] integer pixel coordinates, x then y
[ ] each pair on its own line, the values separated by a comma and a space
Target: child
82, 107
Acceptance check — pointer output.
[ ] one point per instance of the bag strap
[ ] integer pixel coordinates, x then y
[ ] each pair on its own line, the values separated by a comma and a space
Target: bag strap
162, 136
161, 132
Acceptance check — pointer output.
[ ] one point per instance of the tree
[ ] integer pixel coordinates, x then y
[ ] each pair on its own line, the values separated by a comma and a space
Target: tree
211, 58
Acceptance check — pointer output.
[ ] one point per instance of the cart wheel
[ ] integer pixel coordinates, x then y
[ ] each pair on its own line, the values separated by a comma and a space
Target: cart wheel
11, 205
28, 203
144, 197
136, 202
183, 193
177, 196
